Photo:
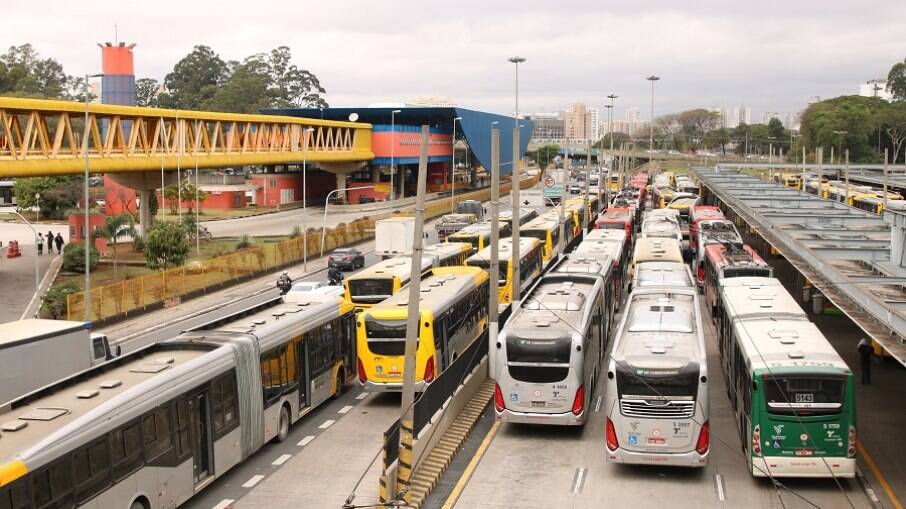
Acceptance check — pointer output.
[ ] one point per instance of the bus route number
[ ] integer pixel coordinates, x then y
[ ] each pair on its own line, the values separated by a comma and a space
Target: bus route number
805, 397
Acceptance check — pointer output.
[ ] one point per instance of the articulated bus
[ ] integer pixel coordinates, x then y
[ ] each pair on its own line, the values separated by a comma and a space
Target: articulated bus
579, 210
657, 399
525, 215
546, 230
655, 249
601, 266
152, 428
612, 245
793, 395
661, 275
530, 261
382, 280
478, 235
724, 261
453, 314
448, 254
550, 350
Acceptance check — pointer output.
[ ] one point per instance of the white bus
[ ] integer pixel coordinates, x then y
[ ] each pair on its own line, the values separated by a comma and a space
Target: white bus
150, 429
662, 275
609, 243
656, 399
550, 351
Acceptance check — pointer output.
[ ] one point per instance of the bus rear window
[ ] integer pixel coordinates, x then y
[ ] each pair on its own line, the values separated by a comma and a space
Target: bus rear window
538, 374
386, 337
652, 383
800, 395
747, 272
539, 350
370, 291
486, 265
535, 234
614, 226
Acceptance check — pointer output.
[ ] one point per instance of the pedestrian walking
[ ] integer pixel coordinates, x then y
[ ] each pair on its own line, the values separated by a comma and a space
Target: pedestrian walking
49, 242
59, 241
40, 244
865, 351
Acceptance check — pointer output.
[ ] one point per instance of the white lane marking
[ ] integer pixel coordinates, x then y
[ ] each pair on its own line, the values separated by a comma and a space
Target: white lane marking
720, 487
345, 409
598, 405
253, 481
224, 504
362, 395
326, 424
282, 459
305, 441
579, 480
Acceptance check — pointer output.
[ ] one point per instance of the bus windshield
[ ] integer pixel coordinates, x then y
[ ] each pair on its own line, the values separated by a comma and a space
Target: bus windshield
657, 383
804, 395
486, 265
370, 291
747, 272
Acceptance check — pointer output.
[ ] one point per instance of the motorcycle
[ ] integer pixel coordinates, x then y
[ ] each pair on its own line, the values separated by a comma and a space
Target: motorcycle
335, 278
284, 284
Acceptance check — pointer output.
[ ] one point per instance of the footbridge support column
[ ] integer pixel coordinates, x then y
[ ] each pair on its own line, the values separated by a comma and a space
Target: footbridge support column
342, 170
145, 183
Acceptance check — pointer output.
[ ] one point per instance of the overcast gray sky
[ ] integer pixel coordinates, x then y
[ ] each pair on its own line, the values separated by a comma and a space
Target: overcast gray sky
771, 55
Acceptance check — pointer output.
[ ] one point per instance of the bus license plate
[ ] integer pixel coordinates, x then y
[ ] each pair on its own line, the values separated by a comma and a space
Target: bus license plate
537, 404
805, 452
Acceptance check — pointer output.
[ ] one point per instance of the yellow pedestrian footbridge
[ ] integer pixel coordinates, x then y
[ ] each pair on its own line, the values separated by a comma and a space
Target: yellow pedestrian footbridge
43, 138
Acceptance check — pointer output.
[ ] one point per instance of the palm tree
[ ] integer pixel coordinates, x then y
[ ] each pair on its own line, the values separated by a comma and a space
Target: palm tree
116, 227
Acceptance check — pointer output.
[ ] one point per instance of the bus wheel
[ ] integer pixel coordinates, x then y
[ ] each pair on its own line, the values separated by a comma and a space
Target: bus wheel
339, 384
283, 431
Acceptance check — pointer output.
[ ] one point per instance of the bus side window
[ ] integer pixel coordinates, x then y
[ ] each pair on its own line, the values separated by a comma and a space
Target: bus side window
183, 445
16, 496
52, 486
126, 450
92, 469
156, 433
223, 404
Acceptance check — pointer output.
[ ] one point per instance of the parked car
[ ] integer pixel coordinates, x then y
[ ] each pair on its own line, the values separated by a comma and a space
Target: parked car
348, 258
309, 288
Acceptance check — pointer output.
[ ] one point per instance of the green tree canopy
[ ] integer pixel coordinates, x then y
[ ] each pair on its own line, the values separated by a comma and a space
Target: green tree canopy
896, 81
58, 194
115, 228
843, 122
891, 119
194, 79
23, 73
166, 245
546, 154
146, 92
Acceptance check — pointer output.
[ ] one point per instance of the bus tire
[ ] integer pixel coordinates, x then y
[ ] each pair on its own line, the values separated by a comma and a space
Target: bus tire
338, 389
140, 503
283, 430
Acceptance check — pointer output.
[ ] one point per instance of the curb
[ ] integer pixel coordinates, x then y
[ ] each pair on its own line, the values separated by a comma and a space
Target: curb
869, 491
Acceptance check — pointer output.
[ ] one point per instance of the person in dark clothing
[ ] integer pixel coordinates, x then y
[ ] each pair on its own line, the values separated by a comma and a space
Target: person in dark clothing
59, 241
865, 351
49, 242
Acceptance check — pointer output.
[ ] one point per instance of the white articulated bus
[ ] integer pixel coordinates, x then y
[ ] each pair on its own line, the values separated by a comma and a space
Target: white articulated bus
550, 351
656, 399
150, 429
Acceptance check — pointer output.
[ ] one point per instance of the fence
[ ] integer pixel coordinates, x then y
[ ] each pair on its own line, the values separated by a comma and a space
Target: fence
117, 300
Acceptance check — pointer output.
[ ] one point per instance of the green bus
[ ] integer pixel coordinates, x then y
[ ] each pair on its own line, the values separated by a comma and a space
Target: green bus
792, 393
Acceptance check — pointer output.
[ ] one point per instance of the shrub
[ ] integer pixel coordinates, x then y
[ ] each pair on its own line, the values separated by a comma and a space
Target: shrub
74, 257
55, 300
166, 246
244, 242
138, 243
296, 233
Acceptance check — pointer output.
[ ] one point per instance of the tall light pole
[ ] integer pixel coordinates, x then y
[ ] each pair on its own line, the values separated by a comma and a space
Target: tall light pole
197, 204
392, 146
453, 170
840, 135
37, 208
305, 138
88, 242
514, 184
652, 79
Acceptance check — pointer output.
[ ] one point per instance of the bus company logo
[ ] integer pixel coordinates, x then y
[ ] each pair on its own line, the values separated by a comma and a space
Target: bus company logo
634, 425
803, 437
778, 429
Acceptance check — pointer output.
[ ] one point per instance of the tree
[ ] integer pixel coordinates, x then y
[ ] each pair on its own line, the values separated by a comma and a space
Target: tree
57, 194
55, 300
74, 257
823, 121
147, 92
718, 138
294, 87
115, 228
186, 191
545, 154
697, 123
245, 92
24, 73
892, 120
618, 138
166, 246
896, 81
194, 79
775, 129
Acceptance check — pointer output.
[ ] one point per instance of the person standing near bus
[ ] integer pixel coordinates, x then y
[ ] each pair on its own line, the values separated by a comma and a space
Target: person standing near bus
59, 241
49, 242
865, 351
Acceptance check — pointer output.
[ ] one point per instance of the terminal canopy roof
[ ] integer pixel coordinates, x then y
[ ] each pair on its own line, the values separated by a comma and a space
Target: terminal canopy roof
474, 126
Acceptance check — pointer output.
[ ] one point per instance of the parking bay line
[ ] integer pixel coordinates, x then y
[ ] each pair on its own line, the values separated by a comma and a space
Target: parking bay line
305, 441
255, 479
579, 480
345, 409
224, 503
719, 483
281, 460
326, 424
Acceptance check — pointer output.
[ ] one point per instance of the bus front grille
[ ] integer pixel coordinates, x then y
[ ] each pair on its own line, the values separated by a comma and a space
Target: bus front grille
670, 409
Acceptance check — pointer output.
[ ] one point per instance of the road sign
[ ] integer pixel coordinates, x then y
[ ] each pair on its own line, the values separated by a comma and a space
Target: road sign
532, 197
549, 181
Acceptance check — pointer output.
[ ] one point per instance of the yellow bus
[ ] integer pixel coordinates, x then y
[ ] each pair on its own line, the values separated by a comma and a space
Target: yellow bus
381, 281
453, 314
578, 208
530, 261
525, 215
478, 235
655, 249
448, 254
547, 230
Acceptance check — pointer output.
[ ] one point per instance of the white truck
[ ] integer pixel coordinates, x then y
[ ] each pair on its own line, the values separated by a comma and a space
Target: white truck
35, 353
393, 236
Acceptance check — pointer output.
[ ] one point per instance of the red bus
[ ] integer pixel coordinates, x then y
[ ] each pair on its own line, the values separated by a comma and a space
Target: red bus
700, 213
617, 218
728, 260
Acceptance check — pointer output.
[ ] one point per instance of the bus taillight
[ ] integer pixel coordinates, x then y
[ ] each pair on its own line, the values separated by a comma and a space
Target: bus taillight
498, 399
851, 452
704, 440
756, 440
611, 434
361, 368
429, 370
579, 401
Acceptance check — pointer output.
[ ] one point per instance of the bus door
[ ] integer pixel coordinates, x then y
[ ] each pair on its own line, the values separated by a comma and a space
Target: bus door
200, 426
303, 379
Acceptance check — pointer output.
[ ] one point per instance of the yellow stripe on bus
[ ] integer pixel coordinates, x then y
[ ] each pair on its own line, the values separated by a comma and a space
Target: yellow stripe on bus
11, 471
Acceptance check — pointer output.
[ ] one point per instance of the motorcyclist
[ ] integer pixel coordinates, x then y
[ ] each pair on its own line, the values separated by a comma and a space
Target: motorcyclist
285, 282
334, 276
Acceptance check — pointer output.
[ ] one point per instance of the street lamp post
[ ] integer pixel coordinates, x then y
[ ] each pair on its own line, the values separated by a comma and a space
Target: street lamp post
197, 203
37, 208
88, 242
392, 145
514, 184
840, 135
453, 170
652, 79
305, 137
326, 201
